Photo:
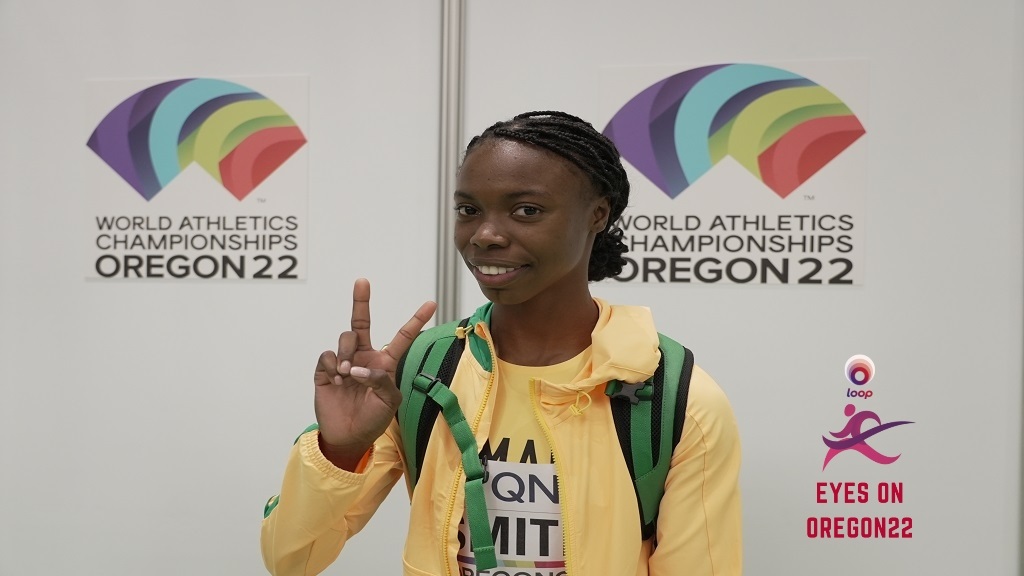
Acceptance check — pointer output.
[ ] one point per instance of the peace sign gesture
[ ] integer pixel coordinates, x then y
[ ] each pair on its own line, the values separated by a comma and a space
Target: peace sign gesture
355, 394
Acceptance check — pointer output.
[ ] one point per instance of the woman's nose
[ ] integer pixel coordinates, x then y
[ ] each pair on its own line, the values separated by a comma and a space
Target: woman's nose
488, 235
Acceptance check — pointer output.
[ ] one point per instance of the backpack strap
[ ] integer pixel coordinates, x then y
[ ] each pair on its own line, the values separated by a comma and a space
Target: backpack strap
649, 419
436, 353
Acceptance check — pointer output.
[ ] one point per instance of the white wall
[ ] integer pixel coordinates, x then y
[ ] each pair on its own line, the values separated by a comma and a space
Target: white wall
146, 423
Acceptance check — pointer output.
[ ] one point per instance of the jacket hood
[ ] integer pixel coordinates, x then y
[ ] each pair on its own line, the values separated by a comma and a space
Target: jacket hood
624, 346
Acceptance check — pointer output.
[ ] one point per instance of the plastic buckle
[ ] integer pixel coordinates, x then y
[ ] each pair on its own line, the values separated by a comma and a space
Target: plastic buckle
484, 474
425, 382
632, 392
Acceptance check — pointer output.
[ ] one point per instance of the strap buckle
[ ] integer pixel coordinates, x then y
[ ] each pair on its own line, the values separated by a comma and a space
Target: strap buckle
483, 474
425, 382
632, 392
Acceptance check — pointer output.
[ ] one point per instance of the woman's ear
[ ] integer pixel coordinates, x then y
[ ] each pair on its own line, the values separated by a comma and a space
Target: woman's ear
602, 210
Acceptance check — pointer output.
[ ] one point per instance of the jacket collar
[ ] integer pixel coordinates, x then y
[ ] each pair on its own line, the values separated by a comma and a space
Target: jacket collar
624, 345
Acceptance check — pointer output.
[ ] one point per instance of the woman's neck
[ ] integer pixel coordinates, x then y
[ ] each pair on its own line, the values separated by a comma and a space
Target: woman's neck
543, 333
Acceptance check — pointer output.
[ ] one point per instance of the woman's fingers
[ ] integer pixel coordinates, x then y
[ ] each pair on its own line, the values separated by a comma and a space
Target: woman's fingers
357, 360
379, 381
326, 368
361, 313
347, 346
410, 330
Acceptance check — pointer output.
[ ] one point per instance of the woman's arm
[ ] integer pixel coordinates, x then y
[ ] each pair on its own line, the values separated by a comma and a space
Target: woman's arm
321, 506
700, 518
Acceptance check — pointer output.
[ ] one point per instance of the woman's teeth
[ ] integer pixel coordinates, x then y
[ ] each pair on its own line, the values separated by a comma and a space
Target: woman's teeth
493, 270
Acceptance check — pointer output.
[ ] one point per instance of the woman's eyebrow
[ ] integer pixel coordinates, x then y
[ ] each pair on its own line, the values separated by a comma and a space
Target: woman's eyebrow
463, 195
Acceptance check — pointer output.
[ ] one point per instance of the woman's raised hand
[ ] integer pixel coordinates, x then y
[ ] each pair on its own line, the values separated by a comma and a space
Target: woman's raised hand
356, 395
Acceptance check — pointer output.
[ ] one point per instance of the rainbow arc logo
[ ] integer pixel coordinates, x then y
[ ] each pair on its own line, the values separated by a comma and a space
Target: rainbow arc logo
236, 134
780, 126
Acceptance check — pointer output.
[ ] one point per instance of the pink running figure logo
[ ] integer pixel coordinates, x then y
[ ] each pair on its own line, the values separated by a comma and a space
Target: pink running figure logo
851, 437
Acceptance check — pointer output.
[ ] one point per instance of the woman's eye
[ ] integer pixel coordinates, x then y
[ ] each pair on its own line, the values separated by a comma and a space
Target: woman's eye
465, 210
526, 211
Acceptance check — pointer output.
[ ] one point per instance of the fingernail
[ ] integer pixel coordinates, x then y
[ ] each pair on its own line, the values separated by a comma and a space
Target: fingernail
337, 380
360, 372
344, 367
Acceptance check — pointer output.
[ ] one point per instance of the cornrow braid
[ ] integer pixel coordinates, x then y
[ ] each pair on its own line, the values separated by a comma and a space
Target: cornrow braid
577, 141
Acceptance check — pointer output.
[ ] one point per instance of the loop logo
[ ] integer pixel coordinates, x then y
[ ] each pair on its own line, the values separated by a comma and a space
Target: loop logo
859, 371
780, 126
237, 135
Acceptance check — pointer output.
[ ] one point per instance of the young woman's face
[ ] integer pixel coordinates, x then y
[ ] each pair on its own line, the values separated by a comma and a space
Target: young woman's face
526, 222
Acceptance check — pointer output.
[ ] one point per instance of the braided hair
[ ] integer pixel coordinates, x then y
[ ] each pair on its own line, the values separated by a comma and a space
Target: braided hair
577, 141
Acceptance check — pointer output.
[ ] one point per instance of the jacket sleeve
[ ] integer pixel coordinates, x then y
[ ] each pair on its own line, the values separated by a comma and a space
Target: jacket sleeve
700, 519
321, 506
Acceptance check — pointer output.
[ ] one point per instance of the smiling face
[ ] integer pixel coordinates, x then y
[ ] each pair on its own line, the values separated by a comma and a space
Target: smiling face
526, 223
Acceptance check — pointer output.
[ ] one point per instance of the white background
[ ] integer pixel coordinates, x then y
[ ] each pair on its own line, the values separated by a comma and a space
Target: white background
144, 425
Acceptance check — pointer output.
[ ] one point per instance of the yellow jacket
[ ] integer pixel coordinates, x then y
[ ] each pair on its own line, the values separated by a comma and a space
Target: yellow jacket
699, 524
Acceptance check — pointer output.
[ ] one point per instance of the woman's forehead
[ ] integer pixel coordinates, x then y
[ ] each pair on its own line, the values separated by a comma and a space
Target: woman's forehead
499, 161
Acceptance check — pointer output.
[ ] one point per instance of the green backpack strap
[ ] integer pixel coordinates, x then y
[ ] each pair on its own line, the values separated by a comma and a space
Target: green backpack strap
649, 419
435, 354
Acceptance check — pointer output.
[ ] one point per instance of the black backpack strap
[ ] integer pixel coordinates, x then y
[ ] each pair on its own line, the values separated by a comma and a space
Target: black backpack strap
682, 395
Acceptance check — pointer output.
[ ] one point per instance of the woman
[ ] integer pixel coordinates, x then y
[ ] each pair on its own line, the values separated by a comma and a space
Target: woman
537, 198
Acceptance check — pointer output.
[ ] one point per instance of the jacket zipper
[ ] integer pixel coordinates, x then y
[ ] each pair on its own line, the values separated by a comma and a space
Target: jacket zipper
560, 470
458, 471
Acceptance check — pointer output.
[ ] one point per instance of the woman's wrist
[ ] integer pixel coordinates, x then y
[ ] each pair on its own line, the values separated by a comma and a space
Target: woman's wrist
345, 457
